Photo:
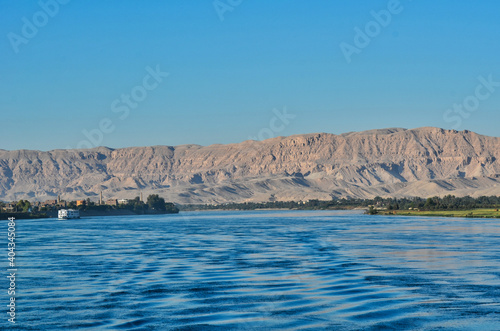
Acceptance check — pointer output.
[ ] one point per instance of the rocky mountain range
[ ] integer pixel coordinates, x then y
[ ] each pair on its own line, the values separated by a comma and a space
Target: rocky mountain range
389, 162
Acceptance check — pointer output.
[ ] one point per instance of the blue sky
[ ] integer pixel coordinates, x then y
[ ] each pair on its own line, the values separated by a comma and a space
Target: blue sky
233, 66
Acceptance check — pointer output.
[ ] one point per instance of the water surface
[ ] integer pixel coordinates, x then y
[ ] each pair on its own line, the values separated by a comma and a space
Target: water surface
258, 270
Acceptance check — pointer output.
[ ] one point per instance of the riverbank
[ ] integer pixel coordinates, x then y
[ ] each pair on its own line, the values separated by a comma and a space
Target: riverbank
83, 213
472, 213
20, 216
117, 212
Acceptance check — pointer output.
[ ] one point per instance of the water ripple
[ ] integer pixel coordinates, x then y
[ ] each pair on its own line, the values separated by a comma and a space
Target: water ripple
259, 271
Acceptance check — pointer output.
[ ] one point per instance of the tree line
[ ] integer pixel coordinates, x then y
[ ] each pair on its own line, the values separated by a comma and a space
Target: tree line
154, 203
449, 202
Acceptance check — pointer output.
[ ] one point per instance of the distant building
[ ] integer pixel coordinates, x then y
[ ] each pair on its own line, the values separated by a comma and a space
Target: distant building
80, 203
112, 202
123, 201
10, 206
50, 202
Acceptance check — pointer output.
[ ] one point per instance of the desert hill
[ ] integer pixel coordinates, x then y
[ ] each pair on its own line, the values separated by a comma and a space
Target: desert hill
388, 162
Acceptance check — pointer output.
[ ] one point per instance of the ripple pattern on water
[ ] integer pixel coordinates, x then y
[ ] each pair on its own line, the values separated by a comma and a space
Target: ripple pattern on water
259, 271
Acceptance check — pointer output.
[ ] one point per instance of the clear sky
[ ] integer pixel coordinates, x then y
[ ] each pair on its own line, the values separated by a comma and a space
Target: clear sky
242, 69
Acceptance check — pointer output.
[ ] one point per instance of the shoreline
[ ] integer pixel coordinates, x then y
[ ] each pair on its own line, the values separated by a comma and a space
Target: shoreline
491, 213
469, 213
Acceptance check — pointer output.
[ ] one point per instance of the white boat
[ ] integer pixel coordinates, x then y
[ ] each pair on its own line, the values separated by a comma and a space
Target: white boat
66, 214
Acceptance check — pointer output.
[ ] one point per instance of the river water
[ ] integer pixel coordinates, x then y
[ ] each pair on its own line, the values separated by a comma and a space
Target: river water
257, 270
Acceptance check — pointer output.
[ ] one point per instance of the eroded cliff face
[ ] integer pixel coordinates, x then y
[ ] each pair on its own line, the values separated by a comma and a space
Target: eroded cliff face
388, 162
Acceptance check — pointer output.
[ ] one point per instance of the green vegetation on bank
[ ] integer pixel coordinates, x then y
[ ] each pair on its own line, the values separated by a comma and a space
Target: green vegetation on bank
153, 205
446, 206
449, 205
377, 204
23, 209
20, 210
448, 202
306, 205
477, 213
